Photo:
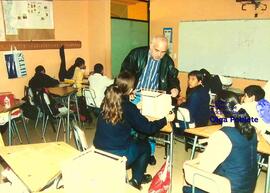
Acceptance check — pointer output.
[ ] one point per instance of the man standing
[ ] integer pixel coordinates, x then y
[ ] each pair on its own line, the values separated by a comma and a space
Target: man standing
154, 69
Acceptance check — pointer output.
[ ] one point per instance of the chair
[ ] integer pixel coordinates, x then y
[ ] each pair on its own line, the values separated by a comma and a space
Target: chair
31, 98
90, 96
59, 114
183, 116
203, 180
79, 137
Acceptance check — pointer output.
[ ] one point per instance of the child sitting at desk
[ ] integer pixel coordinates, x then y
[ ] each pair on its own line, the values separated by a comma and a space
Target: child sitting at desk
231, 151
197, 99
257, 107
118, 116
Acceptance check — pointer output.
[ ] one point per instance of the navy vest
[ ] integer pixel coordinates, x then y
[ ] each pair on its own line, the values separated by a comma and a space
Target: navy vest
240, 167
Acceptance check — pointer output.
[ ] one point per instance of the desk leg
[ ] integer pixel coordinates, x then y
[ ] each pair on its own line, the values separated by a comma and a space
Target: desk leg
267, 180
77, 107
68, 115
193, 147
9, 129
171, 159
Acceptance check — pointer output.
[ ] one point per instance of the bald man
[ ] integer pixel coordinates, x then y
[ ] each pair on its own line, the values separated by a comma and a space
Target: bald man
153, 67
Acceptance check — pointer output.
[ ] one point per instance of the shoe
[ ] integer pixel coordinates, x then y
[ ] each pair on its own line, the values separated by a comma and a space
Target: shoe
152, 160
135, 184
146, 178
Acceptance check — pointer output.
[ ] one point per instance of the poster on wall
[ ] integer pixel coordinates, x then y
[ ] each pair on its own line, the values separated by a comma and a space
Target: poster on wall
27, 15
2, 26
167, 32
15, 64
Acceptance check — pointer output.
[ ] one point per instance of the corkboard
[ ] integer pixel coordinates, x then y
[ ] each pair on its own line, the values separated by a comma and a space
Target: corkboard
38, 45
32, 34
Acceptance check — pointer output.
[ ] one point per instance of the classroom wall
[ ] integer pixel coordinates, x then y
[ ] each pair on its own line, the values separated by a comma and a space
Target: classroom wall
87, 21
169, 13
138, 11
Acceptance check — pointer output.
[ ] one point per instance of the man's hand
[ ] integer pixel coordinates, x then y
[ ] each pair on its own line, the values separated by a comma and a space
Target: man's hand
174, 92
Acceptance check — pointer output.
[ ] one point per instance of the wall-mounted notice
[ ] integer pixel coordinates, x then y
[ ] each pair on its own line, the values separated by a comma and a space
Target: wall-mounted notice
27, 15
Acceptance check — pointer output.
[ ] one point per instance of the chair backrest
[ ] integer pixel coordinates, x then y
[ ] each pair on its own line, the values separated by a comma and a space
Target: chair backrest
90, 96
184, 115
206, 181
80, 138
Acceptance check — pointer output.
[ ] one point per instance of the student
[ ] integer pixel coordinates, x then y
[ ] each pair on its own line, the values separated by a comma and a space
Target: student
41, 80
72, 72
197, 99
98, 82
231, 151
118, 116
257, 107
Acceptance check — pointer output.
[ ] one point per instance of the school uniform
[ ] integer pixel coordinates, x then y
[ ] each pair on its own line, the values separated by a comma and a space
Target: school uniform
117, 138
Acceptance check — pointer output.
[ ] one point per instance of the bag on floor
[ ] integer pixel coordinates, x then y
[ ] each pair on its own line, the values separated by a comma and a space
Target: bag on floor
162, 180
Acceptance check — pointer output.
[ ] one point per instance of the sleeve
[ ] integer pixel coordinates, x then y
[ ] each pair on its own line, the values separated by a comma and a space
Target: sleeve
173, 81
49, 81
192, 104
128, 63
140, 123
218, 149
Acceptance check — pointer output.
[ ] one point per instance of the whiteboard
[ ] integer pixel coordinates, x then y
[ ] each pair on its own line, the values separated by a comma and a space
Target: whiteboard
236, 48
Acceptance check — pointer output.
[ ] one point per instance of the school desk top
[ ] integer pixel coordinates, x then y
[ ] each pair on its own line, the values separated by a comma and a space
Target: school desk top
62, 91
37, 164
263, 146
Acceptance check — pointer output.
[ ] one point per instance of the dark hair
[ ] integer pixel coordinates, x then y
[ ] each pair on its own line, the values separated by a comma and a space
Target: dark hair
111, 106
39, 69
98, 68
255, 90
79, 62
206, 76
225, 102
196, 73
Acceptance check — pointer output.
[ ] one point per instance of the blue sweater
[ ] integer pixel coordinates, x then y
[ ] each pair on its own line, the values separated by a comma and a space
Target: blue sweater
117, 137
198, 105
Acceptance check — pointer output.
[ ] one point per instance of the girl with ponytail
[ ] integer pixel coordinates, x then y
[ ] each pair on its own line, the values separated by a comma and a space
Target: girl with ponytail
232, 151
113, 133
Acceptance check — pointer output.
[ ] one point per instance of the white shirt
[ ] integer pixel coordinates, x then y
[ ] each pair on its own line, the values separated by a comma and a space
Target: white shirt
251, 109
267, 90
99, 84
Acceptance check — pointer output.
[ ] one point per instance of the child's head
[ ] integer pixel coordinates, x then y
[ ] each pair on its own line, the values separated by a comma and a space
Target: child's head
79, 62
111, 106
253, 93
195, 78
98, 68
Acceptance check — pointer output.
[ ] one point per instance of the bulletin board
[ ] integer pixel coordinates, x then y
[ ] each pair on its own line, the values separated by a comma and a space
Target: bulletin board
26, 20
236, 48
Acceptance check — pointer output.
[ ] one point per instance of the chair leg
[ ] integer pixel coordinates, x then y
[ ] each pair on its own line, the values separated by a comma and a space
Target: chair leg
45, 128
25, 129
38, 117
58, 129
15, 128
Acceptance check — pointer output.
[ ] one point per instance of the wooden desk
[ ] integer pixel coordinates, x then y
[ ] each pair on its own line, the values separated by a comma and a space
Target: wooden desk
263, 146
66, 92
37, 164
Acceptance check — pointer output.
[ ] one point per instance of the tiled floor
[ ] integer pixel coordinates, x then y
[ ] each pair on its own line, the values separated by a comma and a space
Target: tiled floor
179, 155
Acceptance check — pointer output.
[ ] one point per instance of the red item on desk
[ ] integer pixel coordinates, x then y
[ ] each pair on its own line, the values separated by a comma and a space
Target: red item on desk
3, 95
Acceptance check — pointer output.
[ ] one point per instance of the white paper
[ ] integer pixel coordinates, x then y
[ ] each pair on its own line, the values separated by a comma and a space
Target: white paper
2, 25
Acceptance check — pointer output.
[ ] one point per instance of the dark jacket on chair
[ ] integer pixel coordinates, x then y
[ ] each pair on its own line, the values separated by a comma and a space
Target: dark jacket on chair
136, 61
40, 81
